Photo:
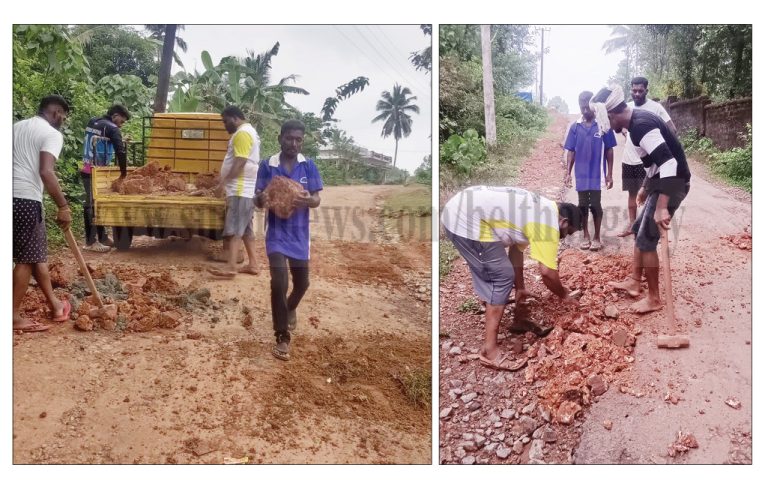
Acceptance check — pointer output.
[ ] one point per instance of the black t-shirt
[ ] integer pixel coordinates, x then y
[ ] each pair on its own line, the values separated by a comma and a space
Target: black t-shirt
661, 152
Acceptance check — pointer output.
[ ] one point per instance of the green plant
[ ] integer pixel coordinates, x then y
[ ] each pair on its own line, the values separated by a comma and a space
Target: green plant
463, 152
470, 304
53, 233
448, 254
417, 386
128, 91
735, 165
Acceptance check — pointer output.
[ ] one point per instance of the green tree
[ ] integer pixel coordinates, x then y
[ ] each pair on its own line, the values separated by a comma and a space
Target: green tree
394, 107
117, 49
558, 104
423, 59
158, 33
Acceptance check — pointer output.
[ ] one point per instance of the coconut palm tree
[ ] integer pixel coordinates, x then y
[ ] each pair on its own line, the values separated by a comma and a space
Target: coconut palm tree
394, 107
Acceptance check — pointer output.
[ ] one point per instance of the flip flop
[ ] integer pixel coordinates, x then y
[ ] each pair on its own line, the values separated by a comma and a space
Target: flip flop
65, 313
221, 273
585, 245
97, 247
596, 245
498, 363
279, 353
248, 270
624, 233
35, 327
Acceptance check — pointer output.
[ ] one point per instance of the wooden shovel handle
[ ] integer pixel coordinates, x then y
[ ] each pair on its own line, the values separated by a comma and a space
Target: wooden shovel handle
83, 267
670, 309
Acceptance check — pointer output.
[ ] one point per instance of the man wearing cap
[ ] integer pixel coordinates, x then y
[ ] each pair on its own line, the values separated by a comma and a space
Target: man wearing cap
666, 184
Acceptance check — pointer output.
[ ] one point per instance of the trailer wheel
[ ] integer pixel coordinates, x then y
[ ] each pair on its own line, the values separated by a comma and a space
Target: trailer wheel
123, 237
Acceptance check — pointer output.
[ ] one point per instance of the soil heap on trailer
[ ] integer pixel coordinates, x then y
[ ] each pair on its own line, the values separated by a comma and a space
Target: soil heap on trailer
170, 195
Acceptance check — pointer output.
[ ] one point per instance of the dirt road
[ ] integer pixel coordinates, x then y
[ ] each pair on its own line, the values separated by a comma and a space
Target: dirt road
207, 390
652, 394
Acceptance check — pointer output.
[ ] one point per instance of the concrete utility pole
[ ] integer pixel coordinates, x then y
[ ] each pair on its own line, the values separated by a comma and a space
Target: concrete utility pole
488, 97
541, 77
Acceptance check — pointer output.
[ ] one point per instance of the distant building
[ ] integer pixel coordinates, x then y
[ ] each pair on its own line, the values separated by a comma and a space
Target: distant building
368, 157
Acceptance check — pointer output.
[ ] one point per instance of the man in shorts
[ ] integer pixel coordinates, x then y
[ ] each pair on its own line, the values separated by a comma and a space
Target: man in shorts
482, 222
238, 181
37, 143
632, 170
666, 184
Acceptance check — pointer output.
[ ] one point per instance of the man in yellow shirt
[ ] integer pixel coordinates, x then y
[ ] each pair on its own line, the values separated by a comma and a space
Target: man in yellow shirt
481, 222
238, 181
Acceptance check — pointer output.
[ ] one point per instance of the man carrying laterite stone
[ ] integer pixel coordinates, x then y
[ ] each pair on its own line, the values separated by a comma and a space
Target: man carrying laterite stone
238, 181
37, 143
666, 184
287, 240
481, 221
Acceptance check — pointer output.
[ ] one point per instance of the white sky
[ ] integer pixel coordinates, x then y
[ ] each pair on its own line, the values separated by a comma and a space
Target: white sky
576, 61
326, 56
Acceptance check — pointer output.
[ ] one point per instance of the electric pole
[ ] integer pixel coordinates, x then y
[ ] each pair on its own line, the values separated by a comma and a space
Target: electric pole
541, 76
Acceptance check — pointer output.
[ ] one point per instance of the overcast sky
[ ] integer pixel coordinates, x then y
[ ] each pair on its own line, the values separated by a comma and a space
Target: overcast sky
576, 61
326, 56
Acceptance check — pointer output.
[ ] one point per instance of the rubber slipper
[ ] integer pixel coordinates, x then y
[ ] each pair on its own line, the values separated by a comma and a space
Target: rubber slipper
281, 353
65, 313
585, 245
248, 270
221, 273
502, 363
624, 233
596, 245
35, 327
97, 247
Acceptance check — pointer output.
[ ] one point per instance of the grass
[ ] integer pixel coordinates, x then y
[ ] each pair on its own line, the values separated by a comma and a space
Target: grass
470, 304
448, 254
414, 200
417, 386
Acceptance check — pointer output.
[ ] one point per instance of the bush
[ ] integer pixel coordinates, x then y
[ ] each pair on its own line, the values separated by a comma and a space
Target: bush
463, 152
735, 165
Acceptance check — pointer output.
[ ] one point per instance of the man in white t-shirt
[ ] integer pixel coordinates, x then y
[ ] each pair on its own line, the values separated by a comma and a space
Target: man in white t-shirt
37, 143
238, 182
632, 171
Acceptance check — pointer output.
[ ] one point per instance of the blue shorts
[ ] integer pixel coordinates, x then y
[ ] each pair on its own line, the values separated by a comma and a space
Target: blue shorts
645, 228
493, 275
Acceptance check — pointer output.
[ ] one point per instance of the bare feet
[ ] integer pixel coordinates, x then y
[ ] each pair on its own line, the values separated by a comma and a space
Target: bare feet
626, 232
646, 305
249, 270
629, 285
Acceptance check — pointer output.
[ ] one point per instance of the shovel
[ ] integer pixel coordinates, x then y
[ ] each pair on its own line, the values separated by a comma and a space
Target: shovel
83, 267
666, 340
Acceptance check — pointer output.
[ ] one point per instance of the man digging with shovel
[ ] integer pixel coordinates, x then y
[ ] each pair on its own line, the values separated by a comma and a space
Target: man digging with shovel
481, 221
665, 186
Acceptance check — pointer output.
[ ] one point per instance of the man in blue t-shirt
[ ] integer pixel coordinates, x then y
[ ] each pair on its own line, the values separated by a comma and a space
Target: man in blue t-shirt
102, 141
287, 240
592, 156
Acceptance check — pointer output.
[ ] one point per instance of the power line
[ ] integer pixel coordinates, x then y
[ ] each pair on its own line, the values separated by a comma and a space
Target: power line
395, 70
413, 80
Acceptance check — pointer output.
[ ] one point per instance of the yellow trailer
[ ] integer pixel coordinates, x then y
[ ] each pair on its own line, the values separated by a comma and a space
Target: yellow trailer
187, 143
